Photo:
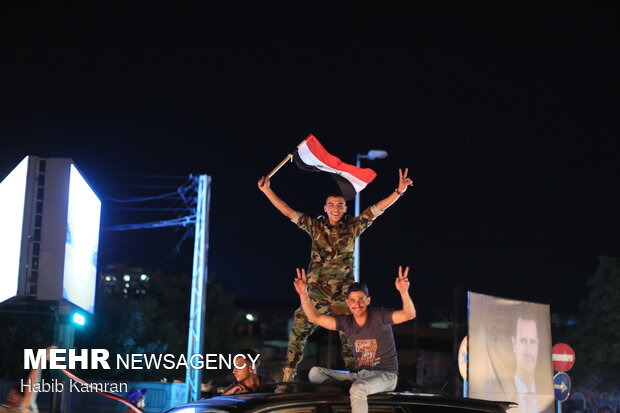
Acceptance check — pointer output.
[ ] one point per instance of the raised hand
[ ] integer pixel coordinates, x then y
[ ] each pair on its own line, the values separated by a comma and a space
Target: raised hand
402, 282
264, 183
403, 181
301, 284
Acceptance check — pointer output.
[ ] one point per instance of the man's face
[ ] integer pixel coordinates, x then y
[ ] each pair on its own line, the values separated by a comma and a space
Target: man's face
244, 372
525, 346
358, 303
335, 207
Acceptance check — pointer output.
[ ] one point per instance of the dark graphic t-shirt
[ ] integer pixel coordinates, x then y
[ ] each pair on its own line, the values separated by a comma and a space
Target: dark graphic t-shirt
373, 343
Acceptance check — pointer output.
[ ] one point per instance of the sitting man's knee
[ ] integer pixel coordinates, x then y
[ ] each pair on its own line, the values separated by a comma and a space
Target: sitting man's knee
359, 389
316, 375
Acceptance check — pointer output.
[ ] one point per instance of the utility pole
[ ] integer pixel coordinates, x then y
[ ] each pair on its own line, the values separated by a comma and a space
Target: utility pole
371, 155
193, 377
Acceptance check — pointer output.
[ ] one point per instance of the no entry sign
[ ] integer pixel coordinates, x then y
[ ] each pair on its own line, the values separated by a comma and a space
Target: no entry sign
563, 357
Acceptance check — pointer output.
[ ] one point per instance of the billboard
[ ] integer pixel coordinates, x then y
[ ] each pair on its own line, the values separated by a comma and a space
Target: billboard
13, 196
82, 242
49, 248
510, 352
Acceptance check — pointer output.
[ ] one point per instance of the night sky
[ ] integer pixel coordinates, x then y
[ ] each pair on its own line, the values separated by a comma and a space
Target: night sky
505, 113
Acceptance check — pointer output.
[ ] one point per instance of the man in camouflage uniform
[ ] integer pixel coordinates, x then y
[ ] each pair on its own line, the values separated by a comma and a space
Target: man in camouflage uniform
331, 262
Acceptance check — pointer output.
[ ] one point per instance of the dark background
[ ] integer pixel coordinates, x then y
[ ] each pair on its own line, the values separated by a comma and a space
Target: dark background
504, 112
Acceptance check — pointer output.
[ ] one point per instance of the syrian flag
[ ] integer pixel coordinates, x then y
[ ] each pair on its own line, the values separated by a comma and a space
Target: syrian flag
311, 156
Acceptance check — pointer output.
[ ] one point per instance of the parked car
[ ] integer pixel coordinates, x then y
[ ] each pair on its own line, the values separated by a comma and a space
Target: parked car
335, 399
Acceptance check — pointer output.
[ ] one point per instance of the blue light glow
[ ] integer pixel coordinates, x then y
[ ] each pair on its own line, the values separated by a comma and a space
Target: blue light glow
82, 243
13, 198
79, 319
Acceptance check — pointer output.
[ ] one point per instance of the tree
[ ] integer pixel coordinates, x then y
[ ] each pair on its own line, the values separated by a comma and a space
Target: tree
20, 331
155, 323
597, 335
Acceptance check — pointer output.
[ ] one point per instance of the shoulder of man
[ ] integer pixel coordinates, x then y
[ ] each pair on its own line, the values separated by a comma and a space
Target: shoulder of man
343, 321
382, 313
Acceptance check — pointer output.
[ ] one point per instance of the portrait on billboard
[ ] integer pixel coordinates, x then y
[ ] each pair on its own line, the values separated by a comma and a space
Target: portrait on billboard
510, 352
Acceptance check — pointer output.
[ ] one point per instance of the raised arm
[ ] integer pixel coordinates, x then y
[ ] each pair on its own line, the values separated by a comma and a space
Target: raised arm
404, 182
301, 285
264, 186
402, 285
30, 396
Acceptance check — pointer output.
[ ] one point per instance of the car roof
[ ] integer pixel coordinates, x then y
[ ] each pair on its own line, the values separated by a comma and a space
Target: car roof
335, 395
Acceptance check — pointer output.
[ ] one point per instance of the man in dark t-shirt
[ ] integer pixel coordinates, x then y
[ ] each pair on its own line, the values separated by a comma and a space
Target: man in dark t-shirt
370, 332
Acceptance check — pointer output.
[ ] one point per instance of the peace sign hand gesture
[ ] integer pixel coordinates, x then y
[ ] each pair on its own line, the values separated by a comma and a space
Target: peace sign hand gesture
301, 284
402, 282
403, 181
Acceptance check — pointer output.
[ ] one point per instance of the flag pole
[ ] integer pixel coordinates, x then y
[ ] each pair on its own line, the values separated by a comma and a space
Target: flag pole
285, 160
280, 165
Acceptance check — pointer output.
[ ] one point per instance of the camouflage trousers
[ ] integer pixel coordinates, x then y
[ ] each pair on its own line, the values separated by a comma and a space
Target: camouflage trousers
328, 297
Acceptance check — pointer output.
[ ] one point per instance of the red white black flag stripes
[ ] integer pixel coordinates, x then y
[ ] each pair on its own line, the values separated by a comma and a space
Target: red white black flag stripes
311, 156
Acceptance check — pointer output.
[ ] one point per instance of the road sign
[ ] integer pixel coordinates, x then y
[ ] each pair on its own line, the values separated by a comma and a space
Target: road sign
561, 386
563, 357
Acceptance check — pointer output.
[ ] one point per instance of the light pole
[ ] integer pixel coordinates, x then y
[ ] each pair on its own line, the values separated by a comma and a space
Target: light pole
371, 155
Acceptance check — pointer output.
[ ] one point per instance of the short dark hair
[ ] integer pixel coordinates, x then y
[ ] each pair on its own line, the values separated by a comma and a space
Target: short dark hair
248, 352
524, 315
336, 195
358, 287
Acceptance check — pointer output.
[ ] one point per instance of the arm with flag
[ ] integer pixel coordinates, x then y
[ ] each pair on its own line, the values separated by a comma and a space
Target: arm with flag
264, 184
311, 156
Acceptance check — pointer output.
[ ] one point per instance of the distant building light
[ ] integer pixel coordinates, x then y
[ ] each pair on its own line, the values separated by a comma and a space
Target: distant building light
108, 278
127, 285
126, 277
571, 323
79, 319
144, 277
125, 290
446, 325
250, 317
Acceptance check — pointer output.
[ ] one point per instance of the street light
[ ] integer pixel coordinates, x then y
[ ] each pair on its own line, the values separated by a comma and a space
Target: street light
371, 155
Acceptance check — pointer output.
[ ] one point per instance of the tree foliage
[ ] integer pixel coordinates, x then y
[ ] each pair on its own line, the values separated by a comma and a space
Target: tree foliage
20, 331
155, 323
597, 335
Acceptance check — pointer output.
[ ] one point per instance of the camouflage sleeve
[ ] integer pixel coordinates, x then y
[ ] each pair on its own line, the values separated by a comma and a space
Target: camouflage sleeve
304, 222
365, 219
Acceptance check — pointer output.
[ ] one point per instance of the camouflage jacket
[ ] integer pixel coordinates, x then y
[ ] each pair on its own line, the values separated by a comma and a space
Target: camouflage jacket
333, 246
